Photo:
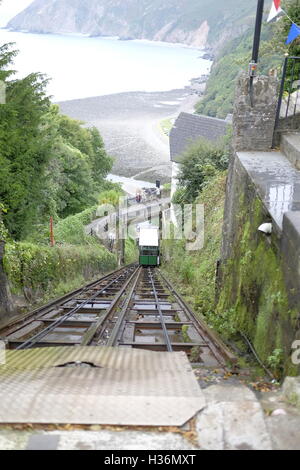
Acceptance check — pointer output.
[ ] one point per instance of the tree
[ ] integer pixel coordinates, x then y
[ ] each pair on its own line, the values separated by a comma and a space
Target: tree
24, 149
49, 163
88, 141
293, 10
293, 68
77, 168
201, 161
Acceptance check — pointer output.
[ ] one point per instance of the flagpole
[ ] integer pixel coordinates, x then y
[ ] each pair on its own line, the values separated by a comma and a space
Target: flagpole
256, 44
257, 33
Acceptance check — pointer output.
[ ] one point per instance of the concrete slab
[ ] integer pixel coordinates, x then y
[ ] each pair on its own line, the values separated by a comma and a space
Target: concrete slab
125, 387
291, 391
210, 428
43, 442
290, 146
13, 440
233, 426
228, 393
126, 440
232, 420
276, 180
244, 427
284, 432
94, 440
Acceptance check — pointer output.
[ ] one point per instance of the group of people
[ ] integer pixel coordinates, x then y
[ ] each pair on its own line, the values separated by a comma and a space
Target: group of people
138, 198
147, 194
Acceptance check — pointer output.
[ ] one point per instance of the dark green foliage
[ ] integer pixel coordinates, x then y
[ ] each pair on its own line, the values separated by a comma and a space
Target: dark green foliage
49, 163
49, 166
253, 297
71, 229
41, 269
131, 251
24, 149
77, 167
293, 49
3, 230
201, 161
236, 55
219, 93
292, 7
194, 272
7, 55
66, 231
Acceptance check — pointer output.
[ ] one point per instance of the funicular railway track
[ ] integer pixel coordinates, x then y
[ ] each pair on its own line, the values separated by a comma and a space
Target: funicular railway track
133, 307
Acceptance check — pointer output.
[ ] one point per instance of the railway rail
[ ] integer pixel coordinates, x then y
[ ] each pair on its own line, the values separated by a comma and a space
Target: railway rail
133, 307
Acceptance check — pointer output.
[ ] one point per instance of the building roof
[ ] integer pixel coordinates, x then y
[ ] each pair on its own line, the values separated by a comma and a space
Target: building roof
190, 127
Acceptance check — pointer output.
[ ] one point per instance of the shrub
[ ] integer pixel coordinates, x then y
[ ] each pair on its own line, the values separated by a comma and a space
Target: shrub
202, 161
41, 268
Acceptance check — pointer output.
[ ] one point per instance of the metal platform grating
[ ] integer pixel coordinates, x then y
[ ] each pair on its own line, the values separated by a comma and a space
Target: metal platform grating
122, 387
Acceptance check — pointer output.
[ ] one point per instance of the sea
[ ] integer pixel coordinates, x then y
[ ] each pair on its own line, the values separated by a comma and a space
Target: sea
82, 66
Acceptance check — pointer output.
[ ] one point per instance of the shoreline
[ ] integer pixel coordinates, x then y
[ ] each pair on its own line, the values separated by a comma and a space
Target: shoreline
129, 124
117, 38
70, 83
187, 89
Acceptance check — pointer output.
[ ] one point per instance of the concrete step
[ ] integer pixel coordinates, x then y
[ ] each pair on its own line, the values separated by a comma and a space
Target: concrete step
276, 180
233, 419
282, 415
290, 146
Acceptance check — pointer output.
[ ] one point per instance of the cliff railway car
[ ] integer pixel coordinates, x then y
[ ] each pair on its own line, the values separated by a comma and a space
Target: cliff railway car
149, 253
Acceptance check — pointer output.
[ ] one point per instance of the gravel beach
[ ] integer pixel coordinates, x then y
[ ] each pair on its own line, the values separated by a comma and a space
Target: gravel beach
130, 126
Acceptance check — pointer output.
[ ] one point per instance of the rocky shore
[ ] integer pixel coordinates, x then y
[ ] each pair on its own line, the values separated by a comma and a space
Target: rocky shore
130, 126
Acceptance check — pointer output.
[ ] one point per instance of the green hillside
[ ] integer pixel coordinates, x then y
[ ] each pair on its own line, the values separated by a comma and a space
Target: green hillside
194, 22
235, 56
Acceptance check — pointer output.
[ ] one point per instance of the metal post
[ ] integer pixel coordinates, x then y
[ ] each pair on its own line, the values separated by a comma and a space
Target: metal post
257, 33
119, 244
122, 243
52, 241
280, 99
256, 44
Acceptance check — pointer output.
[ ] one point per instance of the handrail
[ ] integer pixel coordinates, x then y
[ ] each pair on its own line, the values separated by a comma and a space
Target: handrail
290, 84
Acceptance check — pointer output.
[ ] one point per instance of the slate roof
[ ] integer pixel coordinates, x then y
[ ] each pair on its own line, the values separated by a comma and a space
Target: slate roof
190, 127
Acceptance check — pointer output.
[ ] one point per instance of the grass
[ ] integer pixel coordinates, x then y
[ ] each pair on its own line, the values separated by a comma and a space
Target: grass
166, 125
194, 273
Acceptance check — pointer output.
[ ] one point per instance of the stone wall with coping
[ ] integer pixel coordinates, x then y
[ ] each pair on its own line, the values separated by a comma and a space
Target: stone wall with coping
286, 124
259, 276
254, 117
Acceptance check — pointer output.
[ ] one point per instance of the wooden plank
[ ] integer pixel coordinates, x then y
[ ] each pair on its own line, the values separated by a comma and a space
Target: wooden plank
147, 311
128, 335
162, 346
14, 344
16, 335
157, 325
71, 323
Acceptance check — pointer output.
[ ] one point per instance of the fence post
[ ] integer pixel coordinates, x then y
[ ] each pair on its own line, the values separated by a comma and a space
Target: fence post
6, 305
280, 100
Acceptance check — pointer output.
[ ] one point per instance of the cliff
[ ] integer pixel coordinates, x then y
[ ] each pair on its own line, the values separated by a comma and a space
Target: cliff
197, 23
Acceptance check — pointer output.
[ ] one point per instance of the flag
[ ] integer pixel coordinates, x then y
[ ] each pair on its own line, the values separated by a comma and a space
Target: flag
293, 34
277, 4
275, 10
